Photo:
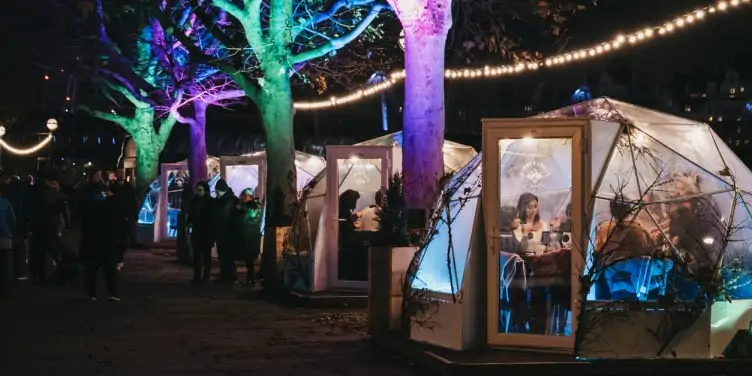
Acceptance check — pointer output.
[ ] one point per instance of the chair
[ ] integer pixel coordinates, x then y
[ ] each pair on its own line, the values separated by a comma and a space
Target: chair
508, 264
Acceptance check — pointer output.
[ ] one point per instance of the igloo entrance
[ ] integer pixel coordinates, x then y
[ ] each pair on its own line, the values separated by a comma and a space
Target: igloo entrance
158, 217
635, 203
313, 261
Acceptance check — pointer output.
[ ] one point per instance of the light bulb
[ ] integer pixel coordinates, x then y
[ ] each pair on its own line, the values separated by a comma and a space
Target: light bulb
52, 124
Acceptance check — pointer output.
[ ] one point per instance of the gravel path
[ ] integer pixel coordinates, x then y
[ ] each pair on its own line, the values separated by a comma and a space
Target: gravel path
166, 326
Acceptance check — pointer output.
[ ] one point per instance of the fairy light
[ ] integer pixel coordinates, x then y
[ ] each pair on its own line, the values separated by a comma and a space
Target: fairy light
27, 151
635, 38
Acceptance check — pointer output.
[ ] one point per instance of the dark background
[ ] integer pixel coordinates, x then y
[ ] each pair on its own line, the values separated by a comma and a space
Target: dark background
670, 74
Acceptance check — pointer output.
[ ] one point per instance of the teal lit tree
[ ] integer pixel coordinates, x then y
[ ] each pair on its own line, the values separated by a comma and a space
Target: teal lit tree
265, 44
133, 74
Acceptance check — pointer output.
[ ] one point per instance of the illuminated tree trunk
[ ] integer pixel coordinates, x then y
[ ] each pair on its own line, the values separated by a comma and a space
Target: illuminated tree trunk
277, 114
147, 163
426, 24
197, 150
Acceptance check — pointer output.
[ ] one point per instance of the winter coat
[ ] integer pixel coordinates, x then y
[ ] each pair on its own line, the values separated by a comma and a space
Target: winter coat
14, 192
49, 210
200, 221
248, 227
98, 224
7, 219
223, 216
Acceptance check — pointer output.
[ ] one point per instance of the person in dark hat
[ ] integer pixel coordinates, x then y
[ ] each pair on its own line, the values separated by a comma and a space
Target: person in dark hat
223, 217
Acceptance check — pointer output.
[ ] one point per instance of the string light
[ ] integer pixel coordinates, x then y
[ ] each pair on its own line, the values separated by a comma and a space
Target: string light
620, 41
27, 151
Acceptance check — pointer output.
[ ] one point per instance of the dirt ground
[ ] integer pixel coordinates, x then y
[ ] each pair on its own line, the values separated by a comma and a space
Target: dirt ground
166, 326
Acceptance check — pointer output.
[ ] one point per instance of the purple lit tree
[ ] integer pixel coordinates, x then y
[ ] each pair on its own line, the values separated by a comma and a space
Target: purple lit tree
133, 74
482, 29
195, 86
200, 98
266, 44
149, 128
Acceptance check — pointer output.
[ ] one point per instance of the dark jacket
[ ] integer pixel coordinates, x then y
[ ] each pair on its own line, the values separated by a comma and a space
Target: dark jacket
200, 221
248, 225
14, 192
98, 225
7, 219
223, 216
49, 210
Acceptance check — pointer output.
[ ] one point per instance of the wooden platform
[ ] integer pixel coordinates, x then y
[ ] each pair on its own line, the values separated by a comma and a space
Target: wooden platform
497, 362
330, 299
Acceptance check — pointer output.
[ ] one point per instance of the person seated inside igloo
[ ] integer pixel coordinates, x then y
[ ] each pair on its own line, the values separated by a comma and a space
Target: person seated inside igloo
512, 274
352, 252
695, 224
624, 252
531, 226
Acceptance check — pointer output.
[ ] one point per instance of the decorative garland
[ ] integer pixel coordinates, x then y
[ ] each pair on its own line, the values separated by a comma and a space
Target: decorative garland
620, 42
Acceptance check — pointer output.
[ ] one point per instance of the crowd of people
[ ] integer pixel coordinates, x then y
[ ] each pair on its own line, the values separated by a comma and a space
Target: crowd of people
75, 228
231, 223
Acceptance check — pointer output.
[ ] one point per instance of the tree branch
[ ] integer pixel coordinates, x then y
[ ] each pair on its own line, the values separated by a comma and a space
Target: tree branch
126, 93
337, 43
175, 111
328, 14
117, 119
126, 75
231, 8
248, 86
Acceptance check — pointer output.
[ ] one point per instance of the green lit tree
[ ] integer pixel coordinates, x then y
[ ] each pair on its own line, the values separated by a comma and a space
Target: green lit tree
265, 45
132, 74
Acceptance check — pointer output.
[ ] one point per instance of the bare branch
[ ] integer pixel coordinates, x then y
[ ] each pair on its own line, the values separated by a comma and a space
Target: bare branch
337, 43
117, 119
125, 92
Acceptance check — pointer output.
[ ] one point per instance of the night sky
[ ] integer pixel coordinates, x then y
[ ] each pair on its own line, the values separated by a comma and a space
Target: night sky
33, 40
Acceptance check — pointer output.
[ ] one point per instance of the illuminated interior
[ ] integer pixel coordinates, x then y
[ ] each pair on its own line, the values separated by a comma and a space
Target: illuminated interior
238, 178
666, 170
456, 156
359, 180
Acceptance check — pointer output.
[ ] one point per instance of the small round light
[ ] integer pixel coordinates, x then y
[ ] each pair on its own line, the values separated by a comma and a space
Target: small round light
2, 131
52, 124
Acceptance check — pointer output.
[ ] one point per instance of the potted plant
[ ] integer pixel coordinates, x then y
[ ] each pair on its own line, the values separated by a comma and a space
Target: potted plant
392, 248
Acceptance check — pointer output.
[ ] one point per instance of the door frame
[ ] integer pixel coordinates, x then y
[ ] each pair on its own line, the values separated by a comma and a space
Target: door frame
160, 224
335, 153
494, 130
253, 160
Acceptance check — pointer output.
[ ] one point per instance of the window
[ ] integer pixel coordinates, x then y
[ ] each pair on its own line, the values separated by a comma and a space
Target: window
741, 89
738, 129
528, 108
732, 91
535, 228
720, 118
687, 108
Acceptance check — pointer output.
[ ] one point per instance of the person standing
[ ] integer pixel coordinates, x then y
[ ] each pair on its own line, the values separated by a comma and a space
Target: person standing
249, 230
7, 228
225, 207
46, 226
98, 249
199, 227
125, 214
13, 190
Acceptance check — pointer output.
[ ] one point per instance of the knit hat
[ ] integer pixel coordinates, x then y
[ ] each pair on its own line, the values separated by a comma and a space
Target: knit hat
249, 191
221, 186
